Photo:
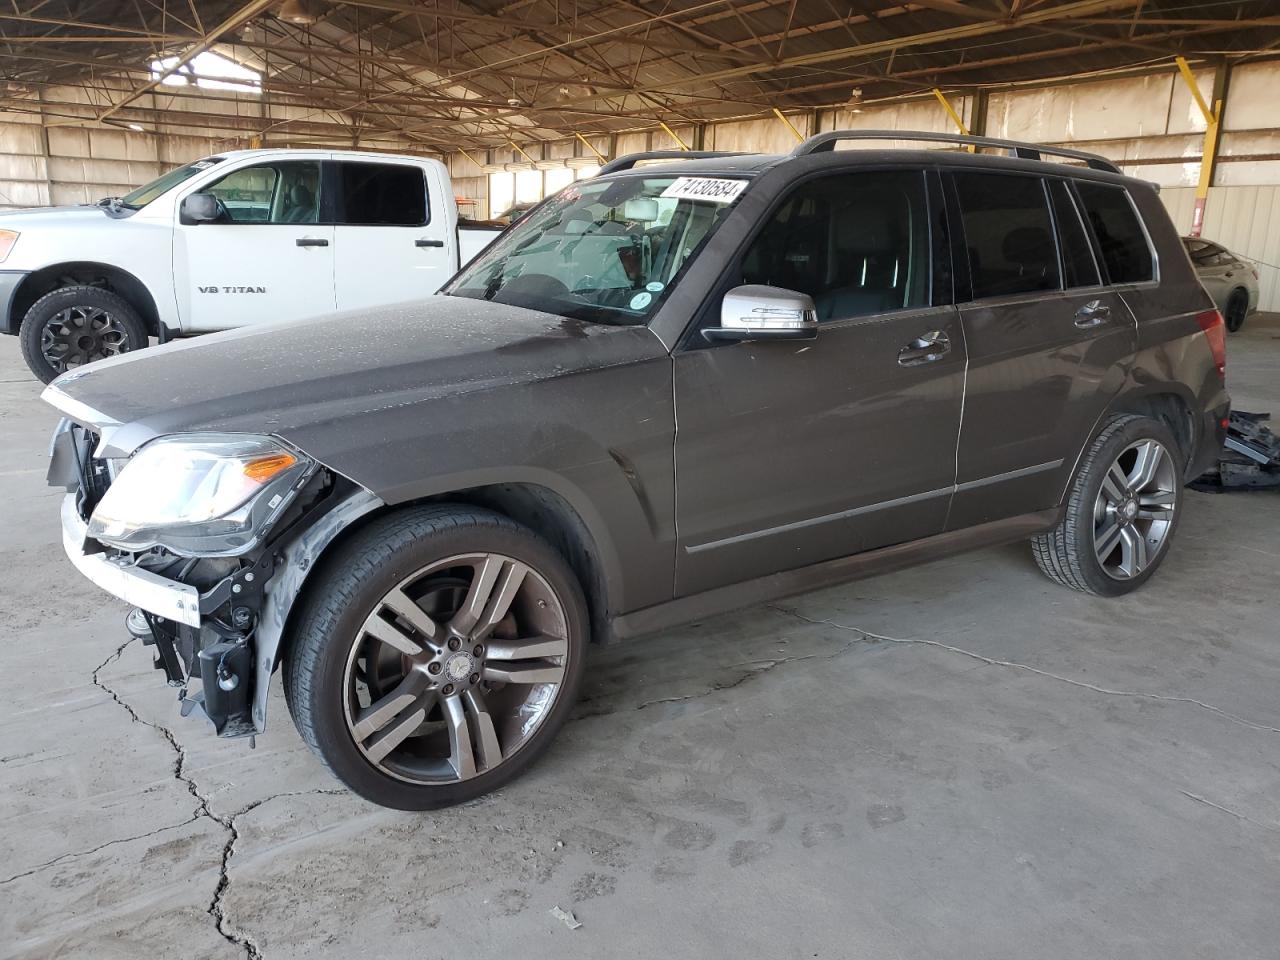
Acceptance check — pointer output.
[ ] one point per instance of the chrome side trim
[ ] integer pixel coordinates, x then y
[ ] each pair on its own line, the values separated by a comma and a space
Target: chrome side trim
815, 521
142, 588
1009, 475
872, 507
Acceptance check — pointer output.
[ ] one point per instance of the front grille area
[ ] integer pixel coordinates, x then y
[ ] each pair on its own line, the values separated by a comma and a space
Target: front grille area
95, 474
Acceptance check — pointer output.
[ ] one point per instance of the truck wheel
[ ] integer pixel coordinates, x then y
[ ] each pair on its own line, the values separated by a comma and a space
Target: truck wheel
1122, 510
76, 325
436, 655
1237, 308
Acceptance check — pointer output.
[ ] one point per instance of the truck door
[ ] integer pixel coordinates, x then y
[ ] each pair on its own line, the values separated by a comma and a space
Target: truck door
269, 256
391, 246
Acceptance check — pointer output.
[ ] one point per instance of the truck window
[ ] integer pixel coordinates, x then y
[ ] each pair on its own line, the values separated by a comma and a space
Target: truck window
1008, 233
858, 243
1121, 241
382, 194
286, 191
144, 194
1078, 266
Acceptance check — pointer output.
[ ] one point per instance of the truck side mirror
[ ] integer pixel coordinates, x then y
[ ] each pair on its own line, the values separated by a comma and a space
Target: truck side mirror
759, 312
200, 208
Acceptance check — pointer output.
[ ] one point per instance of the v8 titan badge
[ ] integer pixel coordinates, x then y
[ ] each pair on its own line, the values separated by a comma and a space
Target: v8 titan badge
714, 189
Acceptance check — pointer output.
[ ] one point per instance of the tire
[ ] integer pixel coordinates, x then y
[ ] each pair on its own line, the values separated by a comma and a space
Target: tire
1237, 309
1069, 554
338, 646
109, 323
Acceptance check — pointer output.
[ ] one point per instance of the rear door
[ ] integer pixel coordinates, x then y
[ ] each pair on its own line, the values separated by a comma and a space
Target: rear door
1047, 340
391, 246
793, 452
269, 256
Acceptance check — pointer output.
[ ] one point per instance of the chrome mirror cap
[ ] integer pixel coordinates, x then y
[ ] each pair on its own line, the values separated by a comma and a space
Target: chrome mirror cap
759, 312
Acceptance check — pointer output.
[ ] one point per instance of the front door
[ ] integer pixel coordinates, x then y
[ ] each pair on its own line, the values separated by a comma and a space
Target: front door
793, 452
269, 256
390, 245
1048, 344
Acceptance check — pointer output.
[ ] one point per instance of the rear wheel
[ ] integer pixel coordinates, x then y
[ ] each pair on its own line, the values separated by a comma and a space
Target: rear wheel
1121, 512
436, 656
76, 325
1237, 309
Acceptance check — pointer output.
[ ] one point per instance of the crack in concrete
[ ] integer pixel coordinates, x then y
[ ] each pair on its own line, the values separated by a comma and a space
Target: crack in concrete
1217, 806
217, 908
92, 850
758, 669
867, 635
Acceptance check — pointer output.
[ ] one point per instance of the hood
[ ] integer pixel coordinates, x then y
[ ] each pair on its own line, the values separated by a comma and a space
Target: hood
51, 216
297, 378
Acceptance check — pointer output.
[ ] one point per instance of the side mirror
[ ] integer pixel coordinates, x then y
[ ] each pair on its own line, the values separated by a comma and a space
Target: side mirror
759, 312
200, 208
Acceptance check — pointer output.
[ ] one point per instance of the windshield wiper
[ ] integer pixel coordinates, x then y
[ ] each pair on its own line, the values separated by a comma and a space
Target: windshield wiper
114, 204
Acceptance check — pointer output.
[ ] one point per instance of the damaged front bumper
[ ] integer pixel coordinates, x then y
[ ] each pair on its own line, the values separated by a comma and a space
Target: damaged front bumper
216, 623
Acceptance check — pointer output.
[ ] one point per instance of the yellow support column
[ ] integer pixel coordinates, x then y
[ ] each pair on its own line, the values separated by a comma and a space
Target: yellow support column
587, 143
1209, 153
955, 117
789, 125
673, 135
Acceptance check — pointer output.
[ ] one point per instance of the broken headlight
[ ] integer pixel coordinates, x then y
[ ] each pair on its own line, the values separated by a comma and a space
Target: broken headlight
199, 495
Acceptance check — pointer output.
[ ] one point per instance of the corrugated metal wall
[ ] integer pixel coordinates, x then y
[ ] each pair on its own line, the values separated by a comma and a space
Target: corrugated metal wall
1150, 124
1244, 219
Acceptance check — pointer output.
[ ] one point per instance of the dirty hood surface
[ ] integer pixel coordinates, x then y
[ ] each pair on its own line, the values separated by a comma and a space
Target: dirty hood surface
302, 379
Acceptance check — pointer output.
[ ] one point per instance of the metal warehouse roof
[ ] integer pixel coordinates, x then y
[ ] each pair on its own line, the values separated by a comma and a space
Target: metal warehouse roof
484, 73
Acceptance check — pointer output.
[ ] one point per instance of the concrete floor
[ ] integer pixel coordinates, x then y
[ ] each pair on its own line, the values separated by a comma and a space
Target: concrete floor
961, 760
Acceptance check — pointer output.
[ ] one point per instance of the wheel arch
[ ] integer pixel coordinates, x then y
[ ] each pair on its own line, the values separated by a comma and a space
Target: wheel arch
55, 276
1169, 403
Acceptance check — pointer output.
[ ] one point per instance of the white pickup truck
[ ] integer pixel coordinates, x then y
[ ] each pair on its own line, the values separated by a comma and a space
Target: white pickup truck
234, 239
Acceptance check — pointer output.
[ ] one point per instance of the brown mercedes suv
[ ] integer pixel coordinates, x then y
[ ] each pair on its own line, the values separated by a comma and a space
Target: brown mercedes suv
669, 390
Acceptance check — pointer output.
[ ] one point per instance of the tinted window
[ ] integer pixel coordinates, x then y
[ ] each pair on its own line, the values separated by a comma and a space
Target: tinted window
282, 192
857, 243
1008, 232
383, 194
1205, 254
1078, 266
1115, 225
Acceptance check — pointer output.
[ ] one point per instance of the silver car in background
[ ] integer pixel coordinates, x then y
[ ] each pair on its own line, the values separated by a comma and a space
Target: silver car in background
1231, 280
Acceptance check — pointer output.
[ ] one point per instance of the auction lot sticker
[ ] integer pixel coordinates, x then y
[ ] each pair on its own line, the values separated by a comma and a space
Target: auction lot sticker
715, 189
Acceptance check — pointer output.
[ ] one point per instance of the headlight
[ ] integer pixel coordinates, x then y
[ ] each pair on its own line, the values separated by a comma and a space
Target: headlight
7, 239
199, 496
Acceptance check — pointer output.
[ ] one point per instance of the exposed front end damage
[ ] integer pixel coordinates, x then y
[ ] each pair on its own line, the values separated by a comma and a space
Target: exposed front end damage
216, 622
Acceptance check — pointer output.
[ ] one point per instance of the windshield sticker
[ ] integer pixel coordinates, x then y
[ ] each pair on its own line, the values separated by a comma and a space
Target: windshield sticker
705, 188
654, 286
641, 300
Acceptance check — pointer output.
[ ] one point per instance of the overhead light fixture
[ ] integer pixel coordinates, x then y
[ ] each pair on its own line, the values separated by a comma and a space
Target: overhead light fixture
138, 127
301, 12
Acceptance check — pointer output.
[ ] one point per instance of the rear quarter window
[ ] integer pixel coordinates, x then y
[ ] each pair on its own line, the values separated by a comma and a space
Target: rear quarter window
1121, 240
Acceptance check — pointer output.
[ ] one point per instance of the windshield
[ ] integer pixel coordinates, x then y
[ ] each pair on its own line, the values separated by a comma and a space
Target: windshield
604, 251
147, 192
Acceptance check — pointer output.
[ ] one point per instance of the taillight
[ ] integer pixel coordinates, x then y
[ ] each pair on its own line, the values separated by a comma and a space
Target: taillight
1215, 331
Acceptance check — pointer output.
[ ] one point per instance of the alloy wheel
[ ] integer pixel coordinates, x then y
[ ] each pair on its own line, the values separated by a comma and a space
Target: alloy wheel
75, 336
1133, 514
455, 668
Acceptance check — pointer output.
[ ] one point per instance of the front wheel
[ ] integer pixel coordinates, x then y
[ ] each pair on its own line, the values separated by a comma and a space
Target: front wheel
437, 654
75, 325
1121, 512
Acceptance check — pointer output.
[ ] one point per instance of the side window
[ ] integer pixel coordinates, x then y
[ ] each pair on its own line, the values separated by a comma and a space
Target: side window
858, 243
283, 192
382, 194
1078, 266
1008, 232
1115, 224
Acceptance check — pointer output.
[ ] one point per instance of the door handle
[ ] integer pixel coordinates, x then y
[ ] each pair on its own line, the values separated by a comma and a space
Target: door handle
311, 242
1230, 274
1092, 314
428, 243
925, 348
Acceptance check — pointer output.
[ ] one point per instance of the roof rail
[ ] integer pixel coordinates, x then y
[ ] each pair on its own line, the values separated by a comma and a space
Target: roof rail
1027, 151
631, 159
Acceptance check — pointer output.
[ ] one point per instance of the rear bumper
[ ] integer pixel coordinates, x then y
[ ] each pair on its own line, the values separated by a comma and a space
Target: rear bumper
1212, 434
